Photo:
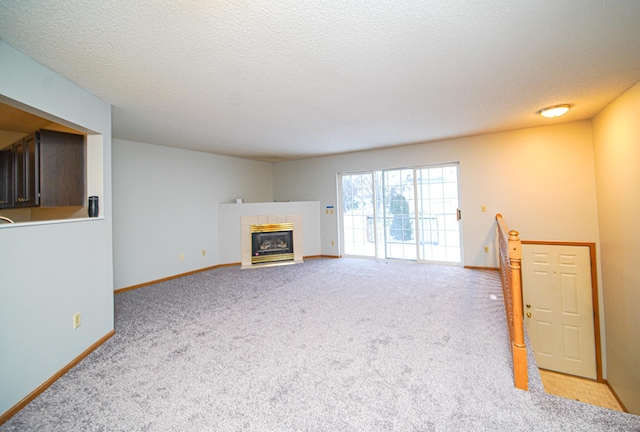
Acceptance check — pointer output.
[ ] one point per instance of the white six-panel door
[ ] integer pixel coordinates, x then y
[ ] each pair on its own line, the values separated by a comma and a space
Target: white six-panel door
558, 307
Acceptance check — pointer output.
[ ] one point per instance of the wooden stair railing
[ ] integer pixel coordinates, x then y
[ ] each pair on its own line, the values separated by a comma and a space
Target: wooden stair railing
511, 275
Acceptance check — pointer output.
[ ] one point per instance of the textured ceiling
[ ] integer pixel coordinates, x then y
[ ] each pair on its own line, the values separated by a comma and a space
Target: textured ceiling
279, 80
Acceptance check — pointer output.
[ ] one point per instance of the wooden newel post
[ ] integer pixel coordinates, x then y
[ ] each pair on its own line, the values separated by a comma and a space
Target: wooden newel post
518, 345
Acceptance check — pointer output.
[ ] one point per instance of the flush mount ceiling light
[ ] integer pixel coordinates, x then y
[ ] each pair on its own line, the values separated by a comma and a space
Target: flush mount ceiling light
554, 111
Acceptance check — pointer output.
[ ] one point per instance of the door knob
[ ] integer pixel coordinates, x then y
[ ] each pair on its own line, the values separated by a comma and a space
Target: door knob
528, 314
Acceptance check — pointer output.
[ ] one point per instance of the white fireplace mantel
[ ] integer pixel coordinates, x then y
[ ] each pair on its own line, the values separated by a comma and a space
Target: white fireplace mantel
230, 228
245, 228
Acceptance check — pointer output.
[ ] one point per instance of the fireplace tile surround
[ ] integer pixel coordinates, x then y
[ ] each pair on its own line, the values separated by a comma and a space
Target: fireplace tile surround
245, 227
230, 231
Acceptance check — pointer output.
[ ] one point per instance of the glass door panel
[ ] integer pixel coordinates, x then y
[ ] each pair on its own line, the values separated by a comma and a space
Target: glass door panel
437, 198
398, 216
409, 213
358, 228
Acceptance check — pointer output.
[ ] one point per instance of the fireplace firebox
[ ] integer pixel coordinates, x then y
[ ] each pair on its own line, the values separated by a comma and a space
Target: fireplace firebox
271, 242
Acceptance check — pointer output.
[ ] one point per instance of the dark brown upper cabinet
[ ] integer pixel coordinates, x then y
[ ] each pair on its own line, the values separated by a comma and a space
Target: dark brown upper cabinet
46, 169
6, 178
62, 169
26, 171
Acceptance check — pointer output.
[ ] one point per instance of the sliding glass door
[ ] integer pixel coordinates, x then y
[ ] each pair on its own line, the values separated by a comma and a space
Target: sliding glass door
438, 214
409, 213
358, 210
398, 214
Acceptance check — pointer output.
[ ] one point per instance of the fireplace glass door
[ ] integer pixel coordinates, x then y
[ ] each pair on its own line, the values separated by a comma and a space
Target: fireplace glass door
271, 242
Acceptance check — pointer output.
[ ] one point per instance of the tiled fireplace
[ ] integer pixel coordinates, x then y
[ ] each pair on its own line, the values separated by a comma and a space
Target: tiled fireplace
271, 240
271, 243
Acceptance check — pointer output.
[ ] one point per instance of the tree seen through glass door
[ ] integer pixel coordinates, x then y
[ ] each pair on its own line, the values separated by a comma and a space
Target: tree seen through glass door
398, 215
408, 213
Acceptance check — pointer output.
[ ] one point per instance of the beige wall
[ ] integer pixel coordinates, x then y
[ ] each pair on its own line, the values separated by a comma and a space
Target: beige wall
541, 179
616, 135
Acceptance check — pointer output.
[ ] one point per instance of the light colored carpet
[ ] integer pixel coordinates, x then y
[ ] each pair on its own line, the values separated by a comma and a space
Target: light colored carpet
328, 345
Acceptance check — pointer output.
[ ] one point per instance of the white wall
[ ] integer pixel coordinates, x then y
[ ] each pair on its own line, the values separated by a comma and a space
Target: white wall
616, 134
52, 270
541, 180
166, 203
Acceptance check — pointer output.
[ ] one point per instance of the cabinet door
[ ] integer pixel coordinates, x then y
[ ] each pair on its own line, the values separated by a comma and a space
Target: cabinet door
26, 172
6, 177
62, 169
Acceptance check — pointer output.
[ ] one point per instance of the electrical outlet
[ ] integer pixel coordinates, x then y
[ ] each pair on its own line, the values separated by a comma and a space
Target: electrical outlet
486, 249
333, 243
483, 208
204, 252
76, 320
181, 257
